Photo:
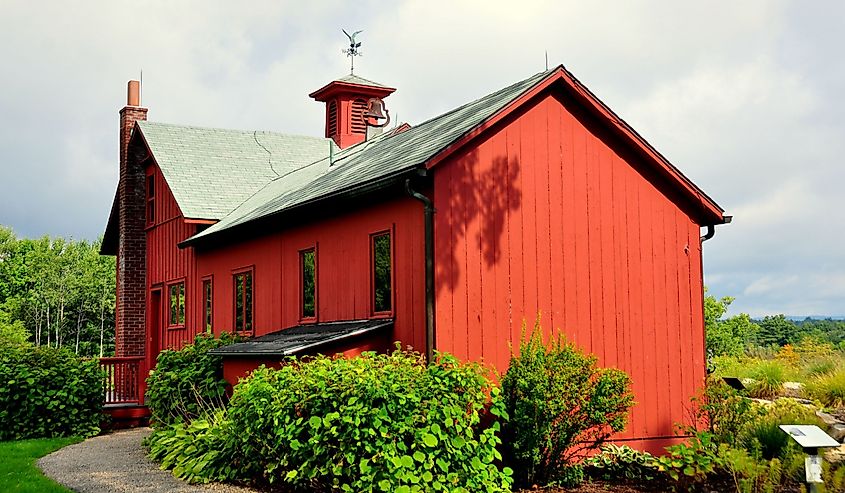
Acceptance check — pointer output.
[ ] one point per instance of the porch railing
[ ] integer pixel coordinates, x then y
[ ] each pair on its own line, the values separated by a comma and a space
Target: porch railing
125, 380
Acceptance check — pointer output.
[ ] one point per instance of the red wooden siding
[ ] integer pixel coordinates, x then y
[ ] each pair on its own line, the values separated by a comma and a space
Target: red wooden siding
548, 213
167, 263
343, 272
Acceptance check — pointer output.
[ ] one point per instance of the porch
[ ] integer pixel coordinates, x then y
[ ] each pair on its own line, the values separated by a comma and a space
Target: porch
124, 389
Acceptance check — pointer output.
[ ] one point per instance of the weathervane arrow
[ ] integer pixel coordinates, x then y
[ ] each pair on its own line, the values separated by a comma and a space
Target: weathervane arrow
353, 50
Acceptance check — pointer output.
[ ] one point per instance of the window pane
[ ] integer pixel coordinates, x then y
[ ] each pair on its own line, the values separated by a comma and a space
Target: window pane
182, 303
248, 302
309, 284
381, 274
239, 302
151, 199
207, 290
174, 305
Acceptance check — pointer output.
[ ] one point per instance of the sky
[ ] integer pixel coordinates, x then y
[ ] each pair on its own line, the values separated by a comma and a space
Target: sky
743, 97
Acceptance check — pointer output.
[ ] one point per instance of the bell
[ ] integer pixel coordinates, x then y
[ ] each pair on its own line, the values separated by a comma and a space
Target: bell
375, 109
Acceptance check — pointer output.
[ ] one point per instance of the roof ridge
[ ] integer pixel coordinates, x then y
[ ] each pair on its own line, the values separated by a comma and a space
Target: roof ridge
221, 129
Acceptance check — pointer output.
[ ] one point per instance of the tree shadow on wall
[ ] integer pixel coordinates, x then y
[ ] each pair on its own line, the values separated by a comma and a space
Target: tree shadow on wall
482, 190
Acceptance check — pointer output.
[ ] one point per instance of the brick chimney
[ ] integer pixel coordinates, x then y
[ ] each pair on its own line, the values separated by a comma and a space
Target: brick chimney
346, 101
130, 316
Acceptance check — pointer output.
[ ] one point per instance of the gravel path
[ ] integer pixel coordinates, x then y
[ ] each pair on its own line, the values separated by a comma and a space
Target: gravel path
117, 463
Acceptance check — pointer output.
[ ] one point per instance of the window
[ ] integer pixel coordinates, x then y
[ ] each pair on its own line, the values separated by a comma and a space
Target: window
207, 296
177, 305
308, 263
243, 301
382, 275
151, 199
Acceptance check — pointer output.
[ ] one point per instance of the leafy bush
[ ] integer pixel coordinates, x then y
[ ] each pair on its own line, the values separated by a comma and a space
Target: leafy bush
762, 436
198, 452
729, 366
48, 392
12, 332
689, 464
751, 475
561, 404
615, 462
189, 382
721, 411
829, 389
810, 347
377, 422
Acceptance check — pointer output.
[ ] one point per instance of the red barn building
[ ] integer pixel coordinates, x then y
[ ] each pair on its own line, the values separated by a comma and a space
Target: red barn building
446, 235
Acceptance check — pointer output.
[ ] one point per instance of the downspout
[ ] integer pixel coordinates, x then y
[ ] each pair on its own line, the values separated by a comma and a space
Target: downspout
429, 268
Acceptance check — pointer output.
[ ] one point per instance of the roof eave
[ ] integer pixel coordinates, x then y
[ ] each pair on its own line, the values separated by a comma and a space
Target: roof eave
712, 212
349, 192
112, 232
338, 87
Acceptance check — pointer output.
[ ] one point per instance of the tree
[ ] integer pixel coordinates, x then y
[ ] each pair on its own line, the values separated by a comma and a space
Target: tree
60, 291
12, 331
730, 336
777, 330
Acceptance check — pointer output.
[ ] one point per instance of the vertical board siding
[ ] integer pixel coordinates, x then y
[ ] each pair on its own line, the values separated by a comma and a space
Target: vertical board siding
546, 213
167, 263
343, 271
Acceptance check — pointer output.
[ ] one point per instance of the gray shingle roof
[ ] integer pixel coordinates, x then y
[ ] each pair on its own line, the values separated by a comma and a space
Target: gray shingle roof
212, 171
370, 161
354, 79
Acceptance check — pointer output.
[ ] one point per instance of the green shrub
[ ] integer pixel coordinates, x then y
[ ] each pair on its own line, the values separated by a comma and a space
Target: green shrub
689, 464
376, 422
768, 380
829, 390
721, 411
12, 332
189, 382
198, 452
730, 366
820, 366
561, 404
763, 438
48, 392
621, 462
751, 475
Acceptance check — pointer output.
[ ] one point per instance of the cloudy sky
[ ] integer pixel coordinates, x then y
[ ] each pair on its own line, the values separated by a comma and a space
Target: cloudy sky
744, 97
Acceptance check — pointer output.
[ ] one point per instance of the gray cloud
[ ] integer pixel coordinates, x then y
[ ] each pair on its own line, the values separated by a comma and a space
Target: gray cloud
742, 96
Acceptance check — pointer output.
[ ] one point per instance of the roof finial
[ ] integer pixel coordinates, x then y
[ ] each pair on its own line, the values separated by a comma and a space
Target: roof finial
352, 51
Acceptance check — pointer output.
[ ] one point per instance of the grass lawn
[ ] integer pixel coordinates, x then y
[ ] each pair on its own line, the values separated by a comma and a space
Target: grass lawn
18, 471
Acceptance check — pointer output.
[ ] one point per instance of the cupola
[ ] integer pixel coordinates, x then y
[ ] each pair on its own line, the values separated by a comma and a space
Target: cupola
347, 101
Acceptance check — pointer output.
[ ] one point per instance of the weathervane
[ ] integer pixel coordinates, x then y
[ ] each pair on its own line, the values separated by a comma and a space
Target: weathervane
352, 51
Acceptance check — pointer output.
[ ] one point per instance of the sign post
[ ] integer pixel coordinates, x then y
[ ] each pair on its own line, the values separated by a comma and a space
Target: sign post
811, 438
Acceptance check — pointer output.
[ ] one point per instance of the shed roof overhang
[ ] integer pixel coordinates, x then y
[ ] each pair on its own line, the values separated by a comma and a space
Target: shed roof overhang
302, 338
